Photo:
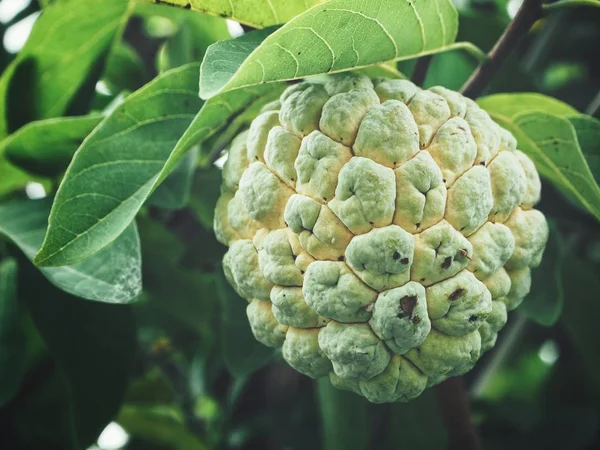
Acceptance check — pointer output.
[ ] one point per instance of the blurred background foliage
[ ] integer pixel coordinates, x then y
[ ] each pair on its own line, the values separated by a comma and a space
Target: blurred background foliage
180, 369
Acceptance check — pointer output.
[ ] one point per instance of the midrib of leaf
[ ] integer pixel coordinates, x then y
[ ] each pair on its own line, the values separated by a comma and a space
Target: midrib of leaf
552, 169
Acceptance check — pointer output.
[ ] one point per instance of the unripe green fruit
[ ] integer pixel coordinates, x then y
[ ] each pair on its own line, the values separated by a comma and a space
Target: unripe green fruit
380, 232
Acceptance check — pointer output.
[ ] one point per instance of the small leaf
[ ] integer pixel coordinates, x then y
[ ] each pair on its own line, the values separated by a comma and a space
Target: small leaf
118, 166
66, 43
12, 337
113, 275
195, 34
157, 425
45, 147
242, 353
254, 13
544, 303
125, 69
338, 410
510, 105
174, 192
335, 36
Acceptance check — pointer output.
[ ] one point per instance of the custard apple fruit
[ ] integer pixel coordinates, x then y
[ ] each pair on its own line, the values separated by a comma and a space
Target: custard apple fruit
380, 232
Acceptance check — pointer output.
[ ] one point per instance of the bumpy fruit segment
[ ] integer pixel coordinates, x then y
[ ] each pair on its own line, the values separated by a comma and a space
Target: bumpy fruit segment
380, 232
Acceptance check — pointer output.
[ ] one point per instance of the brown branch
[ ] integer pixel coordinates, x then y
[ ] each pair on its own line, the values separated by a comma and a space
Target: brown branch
454, 406
528, 14
420, 71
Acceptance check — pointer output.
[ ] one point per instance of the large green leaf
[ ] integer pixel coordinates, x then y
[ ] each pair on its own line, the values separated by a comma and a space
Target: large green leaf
510, 105
255, 13
335, 36
46, 146
155, 127
588, 135
112, 275
345, 418
242, 353
118, 166
544, 303
12, 337
552, 143
67, 42
544, 132
93, 345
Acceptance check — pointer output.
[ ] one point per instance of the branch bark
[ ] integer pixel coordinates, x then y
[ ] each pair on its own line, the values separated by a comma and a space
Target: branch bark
528, 14
454, 406
420, 71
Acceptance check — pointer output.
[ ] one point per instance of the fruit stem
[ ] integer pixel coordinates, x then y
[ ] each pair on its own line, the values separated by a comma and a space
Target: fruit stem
529, 12
453, 401
420, 71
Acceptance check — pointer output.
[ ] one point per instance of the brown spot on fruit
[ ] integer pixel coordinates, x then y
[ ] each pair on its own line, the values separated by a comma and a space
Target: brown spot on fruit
404, 261
407, 306
447, 262
456, 294
396, 256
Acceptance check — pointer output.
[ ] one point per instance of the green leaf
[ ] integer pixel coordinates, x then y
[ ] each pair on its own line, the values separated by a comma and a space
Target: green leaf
196, 33
254, 13
588, 135
67, 42
125, 70
12, 177
552, 144
45, 147
158, 425
510, 105
113, 275
544, 303
335, 36
544, 132
119, 165
570, 4
12, 337
242, 353
345, 418
174, 192
93, 345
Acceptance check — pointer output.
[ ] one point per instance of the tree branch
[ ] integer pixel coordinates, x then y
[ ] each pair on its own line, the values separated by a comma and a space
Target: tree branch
528, 14
454, 406
420, 71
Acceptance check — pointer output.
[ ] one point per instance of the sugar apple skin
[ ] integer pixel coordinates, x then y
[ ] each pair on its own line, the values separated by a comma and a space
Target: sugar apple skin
379, 232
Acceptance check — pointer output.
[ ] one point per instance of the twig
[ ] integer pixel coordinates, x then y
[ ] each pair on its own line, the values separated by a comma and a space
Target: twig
507, 342
420, 72
594, 106
454, 406
528, 14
